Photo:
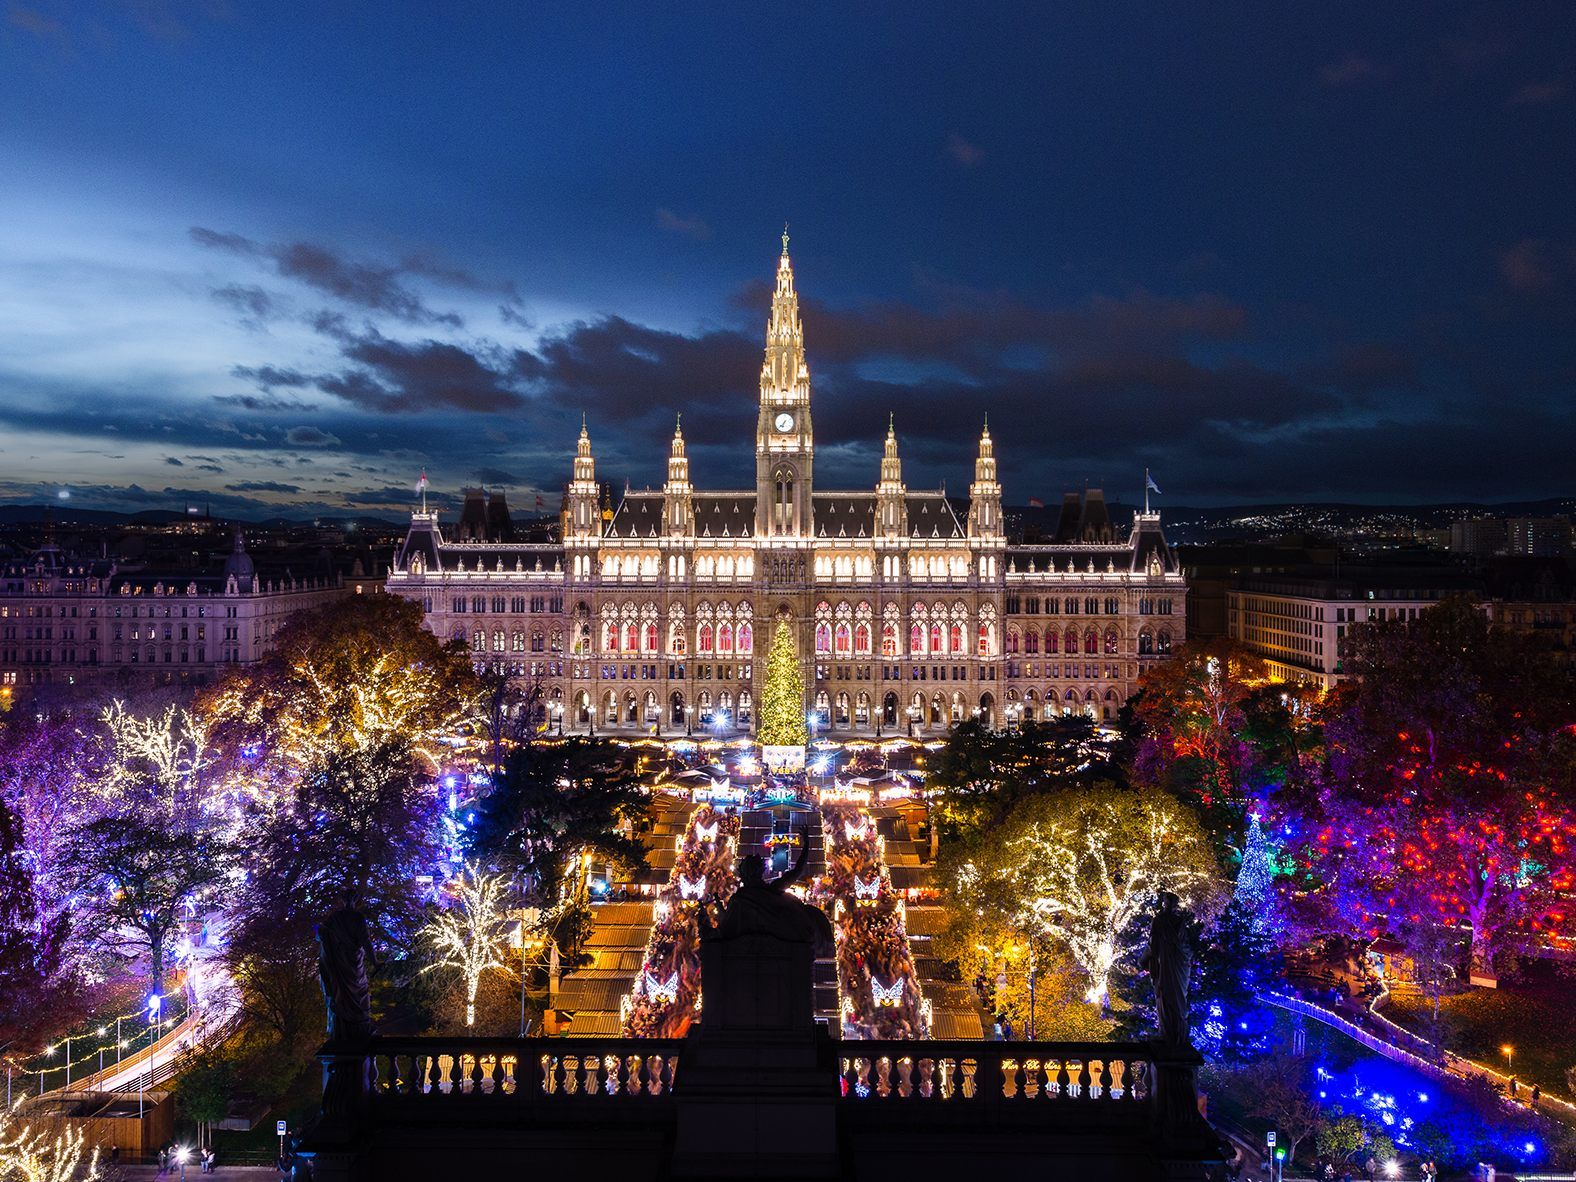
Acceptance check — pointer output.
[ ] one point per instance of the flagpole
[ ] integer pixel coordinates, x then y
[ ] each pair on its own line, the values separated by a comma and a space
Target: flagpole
1146, 492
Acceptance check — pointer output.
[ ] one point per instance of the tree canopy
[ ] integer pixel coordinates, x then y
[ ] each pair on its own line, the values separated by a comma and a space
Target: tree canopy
1082, 868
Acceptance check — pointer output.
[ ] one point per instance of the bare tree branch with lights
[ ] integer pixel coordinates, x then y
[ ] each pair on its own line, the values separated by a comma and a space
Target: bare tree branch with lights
29, 1155
469, 937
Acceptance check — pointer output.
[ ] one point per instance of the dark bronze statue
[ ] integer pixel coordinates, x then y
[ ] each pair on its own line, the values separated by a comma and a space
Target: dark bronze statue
344, 957
766, 908
1170, 964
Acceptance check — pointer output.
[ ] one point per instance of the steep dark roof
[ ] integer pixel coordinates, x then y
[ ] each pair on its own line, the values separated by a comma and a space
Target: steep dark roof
717, 515
844, 514
1151, 541
639, 515
724, 514
930, 515
421, 539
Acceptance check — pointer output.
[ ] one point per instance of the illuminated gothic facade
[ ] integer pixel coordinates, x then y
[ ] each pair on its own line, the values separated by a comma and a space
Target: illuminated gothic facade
910, 614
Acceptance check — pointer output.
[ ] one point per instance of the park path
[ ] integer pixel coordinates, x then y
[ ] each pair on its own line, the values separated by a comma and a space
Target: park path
1428, 1058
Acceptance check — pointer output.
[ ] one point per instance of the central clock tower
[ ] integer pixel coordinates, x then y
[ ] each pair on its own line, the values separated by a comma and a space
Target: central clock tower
784, 442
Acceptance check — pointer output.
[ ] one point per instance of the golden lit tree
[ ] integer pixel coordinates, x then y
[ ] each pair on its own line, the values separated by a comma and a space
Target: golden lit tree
469, 937
169, 751
782, 697
27, 1155
346, 678
1082, 868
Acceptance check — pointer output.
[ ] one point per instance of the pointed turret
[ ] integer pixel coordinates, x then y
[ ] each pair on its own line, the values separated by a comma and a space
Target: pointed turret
580, 505
891, 495
985, 492
677, 493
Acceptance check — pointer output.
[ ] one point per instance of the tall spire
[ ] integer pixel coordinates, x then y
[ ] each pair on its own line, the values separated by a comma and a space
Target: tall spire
784, 439
784, 371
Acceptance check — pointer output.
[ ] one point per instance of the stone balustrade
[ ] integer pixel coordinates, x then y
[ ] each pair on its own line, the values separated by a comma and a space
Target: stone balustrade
438, 1072
488, 1070
395, 1108
1085, 1074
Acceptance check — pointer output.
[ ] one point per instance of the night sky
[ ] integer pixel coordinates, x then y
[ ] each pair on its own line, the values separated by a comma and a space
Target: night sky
283, 256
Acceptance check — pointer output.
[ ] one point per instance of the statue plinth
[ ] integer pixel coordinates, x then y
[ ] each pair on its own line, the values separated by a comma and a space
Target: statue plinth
757, 1092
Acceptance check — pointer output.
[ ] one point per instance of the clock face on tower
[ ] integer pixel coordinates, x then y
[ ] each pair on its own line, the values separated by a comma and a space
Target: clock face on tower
784, 421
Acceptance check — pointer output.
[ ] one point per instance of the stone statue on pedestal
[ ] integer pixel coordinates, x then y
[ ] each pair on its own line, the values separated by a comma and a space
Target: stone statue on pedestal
344, 954
1169, 962
760, 1081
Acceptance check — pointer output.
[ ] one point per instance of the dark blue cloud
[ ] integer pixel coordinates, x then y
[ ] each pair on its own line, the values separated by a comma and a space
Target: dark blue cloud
1273, 252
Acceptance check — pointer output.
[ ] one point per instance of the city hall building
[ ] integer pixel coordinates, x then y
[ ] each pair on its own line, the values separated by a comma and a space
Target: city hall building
910, 613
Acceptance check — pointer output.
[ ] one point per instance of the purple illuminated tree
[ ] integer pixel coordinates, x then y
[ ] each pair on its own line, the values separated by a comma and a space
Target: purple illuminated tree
30, 947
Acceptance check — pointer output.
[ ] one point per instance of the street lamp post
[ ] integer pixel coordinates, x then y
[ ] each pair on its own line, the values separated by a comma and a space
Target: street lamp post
1509, 1052
181, 1155
689, 722
1033, 975
913, 720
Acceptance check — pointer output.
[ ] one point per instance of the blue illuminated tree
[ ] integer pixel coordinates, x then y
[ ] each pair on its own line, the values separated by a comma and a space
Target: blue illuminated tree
1255, 890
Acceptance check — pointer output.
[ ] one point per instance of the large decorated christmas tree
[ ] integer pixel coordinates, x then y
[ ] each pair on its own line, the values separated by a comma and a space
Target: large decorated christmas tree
782, 697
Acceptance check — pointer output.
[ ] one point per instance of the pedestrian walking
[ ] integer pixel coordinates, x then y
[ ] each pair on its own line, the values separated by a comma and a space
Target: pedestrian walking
1535, 1094
995, 1029
1006, 1030
164, 1162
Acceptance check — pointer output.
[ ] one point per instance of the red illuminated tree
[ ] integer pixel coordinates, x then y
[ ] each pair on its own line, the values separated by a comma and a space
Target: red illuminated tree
1448, 798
